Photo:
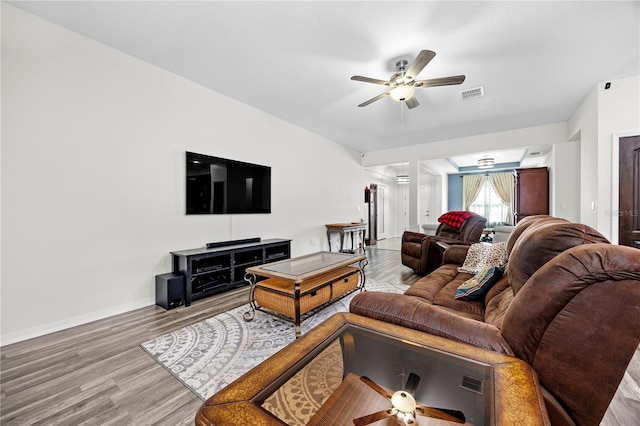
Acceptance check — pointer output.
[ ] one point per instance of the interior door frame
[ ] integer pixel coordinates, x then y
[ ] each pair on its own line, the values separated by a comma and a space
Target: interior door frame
615, 182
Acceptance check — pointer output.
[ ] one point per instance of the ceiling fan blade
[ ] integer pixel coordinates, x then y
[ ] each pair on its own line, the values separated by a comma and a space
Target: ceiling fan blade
444, 81
367, 381
373, 417
441, 413
412, 102
413, 380
372, 100
370, 80
421, 61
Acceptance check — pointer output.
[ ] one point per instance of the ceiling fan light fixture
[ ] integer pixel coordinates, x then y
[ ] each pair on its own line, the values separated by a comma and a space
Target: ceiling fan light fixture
402, 93
486, 163
402, 84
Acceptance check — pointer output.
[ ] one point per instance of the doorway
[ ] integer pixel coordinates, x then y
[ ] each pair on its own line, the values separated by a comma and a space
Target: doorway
383, 210
629, 191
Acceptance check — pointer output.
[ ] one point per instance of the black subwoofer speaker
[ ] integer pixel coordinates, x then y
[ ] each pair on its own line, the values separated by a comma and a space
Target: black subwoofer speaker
170, 290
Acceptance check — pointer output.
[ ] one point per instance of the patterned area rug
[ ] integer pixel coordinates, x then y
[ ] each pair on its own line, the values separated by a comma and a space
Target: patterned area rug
298, 400
209, 355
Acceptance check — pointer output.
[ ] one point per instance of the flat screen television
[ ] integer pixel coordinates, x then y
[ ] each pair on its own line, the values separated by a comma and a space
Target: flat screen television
222, 186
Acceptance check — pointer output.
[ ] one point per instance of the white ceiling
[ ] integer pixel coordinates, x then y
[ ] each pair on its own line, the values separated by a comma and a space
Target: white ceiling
537, 61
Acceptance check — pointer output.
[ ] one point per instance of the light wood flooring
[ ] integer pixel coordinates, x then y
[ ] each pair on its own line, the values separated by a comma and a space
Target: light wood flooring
97, 374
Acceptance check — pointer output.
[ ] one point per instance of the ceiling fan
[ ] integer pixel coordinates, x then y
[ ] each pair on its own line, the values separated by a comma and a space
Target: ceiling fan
404, 406
403, 84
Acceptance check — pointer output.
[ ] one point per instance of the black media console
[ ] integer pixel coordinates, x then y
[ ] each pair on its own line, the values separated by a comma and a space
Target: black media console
221, 266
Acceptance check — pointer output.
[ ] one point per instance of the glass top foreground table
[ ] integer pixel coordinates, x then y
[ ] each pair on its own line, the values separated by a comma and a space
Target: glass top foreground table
349, 369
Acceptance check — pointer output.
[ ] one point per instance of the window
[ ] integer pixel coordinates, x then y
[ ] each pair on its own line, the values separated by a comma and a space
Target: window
489, 205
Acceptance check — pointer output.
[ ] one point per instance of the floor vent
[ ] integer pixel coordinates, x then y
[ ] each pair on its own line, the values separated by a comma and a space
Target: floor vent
478, 92
472, 384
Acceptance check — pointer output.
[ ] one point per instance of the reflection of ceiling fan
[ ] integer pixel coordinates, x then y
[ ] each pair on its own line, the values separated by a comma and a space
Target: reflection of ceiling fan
404, 406
403, 83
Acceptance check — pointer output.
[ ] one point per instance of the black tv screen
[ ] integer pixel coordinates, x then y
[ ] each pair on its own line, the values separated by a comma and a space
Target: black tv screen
221, 186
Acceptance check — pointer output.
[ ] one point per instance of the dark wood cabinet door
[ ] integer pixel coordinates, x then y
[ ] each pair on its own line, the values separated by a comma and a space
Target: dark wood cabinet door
531, 195
629, 192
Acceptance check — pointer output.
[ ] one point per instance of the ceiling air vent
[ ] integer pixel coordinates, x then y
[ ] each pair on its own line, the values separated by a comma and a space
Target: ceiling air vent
477, 92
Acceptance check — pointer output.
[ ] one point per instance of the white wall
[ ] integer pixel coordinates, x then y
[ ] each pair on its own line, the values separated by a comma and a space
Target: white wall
93, 186
618, 115
604, 115
583, 127
530, 136
564, 175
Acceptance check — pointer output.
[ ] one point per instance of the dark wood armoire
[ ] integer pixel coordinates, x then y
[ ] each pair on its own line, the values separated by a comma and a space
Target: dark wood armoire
531, 192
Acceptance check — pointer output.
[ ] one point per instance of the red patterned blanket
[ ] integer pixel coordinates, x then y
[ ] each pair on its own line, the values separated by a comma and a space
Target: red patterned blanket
455, 218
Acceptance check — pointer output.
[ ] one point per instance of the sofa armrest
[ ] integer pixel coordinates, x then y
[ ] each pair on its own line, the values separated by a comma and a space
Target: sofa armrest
455, 254
413, 237
443, 245
449, 240
413, 312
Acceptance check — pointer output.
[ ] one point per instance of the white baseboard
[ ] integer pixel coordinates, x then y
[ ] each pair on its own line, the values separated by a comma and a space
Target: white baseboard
19, 336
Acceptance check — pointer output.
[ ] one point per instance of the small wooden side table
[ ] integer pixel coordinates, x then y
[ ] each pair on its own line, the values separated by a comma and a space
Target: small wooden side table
352, 228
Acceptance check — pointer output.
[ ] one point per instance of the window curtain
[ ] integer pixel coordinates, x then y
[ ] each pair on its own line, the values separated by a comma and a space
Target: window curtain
471, 186
503, 186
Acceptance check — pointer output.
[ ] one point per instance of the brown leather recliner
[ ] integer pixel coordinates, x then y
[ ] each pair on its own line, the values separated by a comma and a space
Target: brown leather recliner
421, 253
568, 304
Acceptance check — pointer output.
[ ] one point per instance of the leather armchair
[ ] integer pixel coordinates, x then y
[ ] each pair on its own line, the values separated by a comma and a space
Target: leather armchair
421, 252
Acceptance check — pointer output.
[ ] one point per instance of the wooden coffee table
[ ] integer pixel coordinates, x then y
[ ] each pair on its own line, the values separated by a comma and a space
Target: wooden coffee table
296, 288
487, 387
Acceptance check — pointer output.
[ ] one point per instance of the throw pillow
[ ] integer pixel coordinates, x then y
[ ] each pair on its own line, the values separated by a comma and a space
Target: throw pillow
475, 288
482, 255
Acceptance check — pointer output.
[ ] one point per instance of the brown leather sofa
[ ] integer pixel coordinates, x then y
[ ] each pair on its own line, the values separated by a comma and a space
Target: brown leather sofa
421, 253
568, 304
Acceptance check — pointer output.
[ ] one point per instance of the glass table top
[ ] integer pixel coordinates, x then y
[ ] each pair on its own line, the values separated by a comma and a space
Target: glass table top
439, 380
349, 367
303, 265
